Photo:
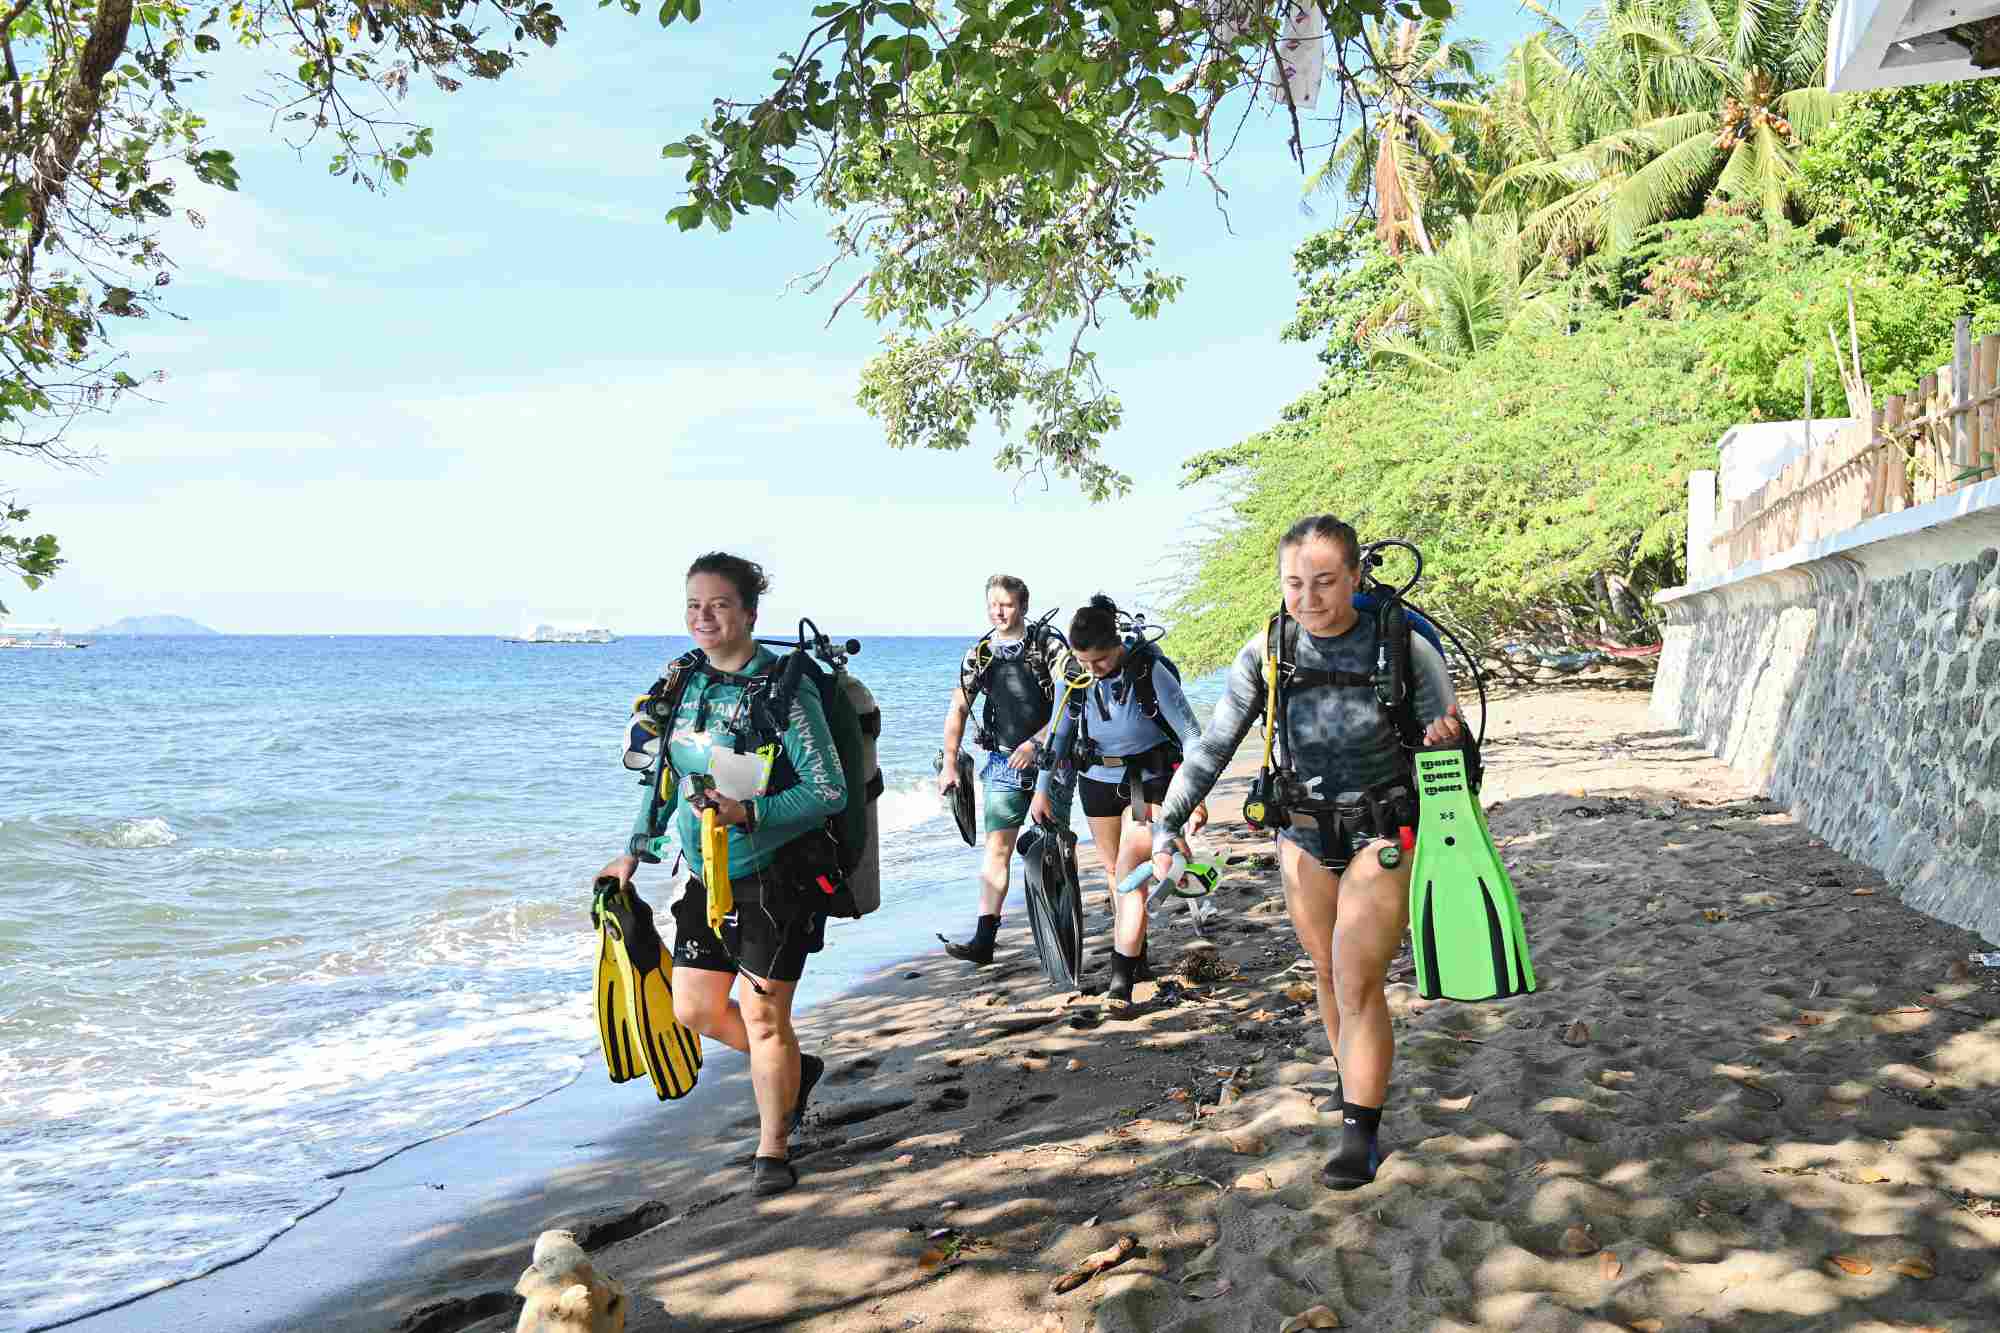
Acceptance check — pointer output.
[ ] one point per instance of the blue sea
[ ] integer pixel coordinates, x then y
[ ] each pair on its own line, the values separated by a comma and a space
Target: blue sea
280, 908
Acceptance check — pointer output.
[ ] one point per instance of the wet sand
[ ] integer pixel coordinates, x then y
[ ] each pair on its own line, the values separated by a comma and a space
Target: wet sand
1753, 1092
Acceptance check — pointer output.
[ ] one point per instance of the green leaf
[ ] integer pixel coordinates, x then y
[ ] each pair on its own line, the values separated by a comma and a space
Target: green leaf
676, 150
669, 11
691, 9
908, 15
14, 205
1437, 9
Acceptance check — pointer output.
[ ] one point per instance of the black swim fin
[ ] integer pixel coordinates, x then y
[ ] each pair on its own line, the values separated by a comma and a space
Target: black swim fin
1055, 902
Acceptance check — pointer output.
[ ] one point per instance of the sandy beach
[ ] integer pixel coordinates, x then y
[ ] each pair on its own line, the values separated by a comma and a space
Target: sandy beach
1753, 1092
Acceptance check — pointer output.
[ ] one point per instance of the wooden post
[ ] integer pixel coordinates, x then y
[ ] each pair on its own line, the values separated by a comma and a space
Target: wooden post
1894, 457
1961, 395
1989, 417
1924, 446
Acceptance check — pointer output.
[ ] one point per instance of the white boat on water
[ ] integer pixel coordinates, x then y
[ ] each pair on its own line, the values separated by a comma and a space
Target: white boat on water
38, 636
562, 634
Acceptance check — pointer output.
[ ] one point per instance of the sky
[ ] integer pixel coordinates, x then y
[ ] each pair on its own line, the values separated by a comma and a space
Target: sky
509, 392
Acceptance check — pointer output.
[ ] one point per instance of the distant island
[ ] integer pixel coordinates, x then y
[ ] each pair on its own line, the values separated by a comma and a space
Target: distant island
153, 625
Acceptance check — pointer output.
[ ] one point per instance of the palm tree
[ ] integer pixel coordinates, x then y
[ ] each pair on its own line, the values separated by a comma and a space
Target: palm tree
1403, 156
1459, 300
1673, 103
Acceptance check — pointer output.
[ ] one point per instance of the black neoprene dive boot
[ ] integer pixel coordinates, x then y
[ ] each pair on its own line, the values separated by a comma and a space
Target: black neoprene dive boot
1120, 989
1360, 1154
1141, 972
979, 949
772, 1175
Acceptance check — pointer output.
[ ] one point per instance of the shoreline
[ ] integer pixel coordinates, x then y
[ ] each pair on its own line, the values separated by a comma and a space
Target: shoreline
976, 1134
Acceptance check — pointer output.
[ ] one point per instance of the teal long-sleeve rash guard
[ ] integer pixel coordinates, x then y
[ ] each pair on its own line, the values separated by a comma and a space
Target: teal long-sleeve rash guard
713, 714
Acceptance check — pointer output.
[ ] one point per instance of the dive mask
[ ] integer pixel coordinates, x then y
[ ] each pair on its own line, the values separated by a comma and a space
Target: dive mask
642, 743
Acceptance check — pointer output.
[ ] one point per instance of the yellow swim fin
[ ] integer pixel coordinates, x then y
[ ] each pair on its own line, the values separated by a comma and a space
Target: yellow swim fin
634, 994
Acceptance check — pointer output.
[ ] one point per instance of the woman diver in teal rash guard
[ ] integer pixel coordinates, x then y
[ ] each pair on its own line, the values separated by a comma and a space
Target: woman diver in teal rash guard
1118, 736
775, 922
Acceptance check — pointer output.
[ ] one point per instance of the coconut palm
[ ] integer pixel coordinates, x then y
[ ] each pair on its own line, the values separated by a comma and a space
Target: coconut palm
1684, 102
1459, 300
1403, 155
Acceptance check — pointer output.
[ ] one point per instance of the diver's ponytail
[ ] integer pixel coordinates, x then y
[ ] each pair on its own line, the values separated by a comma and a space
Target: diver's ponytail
1094, 628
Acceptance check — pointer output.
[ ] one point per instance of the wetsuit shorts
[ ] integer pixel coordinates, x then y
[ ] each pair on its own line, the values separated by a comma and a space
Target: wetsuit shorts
1007, 794
1107, 800
770, 940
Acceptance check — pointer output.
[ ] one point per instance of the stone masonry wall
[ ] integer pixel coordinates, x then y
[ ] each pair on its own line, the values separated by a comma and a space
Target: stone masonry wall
1854, 688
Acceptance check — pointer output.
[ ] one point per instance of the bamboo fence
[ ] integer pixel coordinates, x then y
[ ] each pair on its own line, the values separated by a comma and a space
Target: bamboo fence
1910, 450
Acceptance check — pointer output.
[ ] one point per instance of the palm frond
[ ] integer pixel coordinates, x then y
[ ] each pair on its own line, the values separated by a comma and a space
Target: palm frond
1810, 110
1401, 349
1667, 185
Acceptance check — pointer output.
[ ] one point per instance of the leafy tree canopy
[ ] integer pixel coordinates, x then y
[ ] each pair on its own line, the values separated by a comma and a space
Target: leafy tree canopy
984, 160
1913, 168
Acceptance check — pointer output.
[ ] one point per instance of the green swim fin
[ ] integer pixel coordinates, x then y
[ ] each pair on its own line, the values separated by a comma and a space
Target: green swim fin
1465, 925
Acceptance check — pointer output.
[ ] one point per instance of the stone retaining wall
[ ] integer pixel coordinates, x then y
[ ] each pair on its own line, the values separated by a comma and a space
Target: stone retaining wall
1851, 681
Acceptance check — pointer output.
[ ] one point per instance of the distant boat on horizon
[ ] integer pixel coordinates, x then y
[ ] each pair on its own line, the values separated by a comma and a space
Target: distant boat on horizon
553, 634
38, 636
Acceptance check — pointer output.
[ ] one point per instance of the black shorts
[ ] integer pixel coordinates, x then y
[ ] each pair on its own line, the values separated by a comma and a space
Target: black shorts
770, 940
1106, 800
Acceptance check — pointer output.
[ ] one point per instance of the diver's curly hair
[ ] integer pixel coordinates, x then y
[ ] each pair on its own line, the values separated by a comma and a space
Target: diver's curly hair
746, 576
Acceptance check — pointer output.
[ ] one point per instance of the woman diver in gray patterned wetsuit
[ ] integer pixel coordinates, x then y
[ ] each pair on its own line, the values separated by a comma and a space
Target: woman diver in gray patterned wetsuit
1348, 909
1118, 739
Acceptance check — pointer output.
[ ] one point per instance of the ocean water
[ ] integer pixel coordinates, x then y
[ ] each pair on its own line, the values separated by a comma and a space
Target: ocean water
279, 908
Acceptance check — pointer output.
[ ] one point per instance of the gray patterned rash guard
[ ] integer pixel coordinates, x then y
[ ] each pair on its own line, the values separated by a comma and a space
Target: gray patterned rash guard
1341, 735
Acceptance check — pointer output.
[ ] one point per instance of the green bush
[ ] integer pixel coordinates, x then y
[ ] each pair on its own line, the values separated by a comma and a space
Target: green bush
1524, 475
1912, 170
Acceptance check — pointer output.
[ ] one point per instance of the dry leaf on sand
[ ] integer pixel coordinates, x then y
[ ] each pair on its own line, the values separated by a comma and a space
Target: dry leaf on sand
1648, 1325
1916, 1266
1300, 992
1870, 1177
1207, 1289
1608, 1266
1109, 1257
1850, 1265
1864, 893
1247, 1145
1317, 1317
1577, 1034
1579, 1241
